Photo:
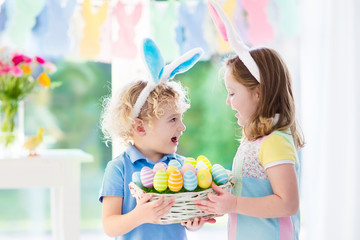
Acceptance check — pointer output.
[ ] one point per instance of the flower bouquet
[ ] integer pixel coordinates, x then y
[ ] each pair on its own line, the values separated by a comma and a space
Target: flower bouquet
20, 75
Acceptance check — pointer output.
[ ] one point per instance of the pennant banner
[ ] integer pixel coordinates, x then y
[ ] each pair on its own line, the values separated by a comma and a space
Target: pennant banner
164, 17
125, 46
110, 29
190, 35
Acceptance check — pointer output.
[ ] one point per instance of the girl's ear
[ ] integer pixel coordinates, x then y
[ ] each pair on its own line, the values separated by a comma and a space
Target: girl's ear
257, 92
138, 127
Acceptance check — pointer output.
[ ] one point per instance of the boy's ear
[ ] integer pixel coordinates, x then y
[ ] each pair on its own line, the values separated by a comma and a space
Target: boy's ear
138, 127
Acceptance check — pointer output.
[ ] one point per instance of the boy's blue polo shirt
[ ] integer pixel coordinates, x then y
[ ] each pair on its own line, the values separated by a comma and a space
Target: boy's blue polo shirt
118, 175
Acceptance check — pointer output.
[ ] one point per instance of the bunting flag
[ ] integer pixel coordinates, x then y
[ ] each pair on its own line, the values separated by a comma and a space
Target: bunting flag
125, 46
2, 17
189, 32
229, 8
22, 19
106, 42
55, 41
90, 43
1, 3
289, 17
59, 28
163, 16
76, 27
240, 23
260, 30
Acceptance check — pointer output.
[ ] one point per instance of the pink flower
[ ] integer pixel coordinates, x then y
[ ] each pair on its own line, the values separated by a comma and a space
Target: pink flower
4, 68
16, 71
49, 67
19, 58
40, 60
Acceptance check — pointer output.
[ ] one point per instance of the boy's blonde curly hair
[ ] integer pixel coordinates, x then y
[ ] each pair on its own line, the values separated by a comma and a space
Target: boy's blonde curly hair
116, 118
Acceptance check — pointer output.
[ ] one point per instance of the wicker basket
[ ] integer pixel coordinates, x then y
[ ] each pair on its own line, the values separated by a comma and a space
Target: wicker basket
184, 208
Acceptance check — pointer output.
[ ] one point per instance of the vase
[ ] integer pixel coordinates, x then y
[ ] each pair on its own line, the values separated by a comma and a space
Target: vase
11, 128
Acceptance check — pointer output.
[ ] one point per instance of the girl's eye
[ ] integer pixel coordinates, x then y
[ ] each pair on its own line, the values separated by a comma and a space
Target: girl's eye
231, 94
173, 120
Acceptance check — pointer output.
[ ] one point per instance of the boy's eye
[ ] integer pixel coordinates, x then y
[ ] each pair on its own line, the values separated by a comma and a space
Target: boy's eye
173, 120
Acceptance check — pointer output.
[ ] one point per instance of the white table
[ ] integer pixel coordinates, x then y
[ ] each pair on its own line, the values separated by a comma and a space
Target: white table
59, 170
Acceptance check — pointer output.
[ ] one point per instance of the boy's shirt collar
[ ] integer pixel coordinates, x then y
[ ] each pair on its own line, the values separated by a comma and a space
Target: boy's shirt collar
135, 155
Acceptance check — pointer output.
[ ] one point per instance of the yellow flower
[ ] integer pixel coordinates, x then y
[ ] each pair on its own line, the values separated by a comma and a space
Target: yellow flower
44, 80
26, 69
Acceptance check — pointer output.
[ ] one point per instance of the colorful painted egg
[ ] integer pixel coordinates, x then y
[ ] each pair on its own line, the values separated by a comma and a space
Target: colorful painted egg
175, 163
190, 180
136, 179
187, 166
160, 180
190, 160
219, 174
201, 165
171, 169
204, 178
146, 177
175, 181
158, 166
205, 160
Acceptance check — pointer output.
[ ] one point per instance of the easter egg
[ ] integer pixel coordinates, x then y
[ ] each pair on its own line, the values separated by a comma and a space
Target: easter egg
175, 163
204, 178
146, 177
158, 166
190, 160
187, 166
171, 169
175, 181
190, 180
136, 179
205, 160
219, 174
201, 165
160, 180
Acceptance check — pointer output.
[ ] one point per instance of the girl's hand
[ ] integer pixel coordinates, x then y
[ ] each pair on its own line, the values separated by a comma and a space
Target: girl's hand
221, 203
151, 212
197, 223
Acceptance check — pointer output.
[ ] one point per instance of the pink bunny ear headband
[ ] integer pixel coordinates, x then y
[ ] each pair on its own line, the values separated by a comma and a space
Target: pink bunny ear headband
160, 72
229, 34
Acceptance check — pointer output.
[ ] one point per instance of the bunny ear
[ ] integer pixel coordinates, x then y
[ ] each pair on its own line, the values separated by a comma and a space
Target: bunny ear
229, 34
159, 72
217, 21
182, 64
153, 59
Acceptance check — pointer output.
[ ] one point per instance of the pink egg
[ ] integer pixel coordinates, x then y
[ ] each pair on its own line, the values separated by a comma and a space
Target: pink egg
186, 167
146, 177
158, 166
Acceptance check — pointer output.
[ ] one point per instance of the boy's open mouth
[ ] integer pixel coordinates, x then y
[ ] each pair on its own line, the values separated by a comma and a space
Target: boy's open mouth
174, 139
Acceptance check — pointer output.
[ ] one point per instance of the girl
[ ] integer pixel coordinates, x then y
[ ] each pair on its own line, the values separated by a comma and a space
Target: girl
147, 116
265, 201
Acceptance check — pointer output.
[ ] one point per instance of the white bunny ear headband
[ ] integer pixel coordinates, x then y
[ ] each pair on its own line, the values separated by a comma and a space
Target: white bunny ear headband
160, 72
229, 34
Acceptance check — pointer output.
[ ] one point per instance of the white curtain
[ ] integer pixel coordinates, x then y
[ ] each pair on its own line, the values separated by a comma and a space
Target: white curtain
330, 117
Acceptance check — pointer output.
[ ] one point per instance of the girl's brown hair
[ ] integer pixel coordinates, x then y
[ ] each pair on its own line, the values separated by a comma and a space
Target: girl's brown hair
275, 95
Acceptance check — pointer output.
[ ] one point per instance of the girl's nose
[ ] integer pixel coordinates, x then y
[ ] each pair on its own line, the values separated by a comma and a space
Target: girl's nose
228, 101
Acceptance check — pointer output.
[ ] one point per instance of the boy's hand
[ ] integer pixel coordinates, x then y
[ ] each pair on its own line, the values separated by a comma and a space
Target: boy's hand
151, 212
197, 223
221, 203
